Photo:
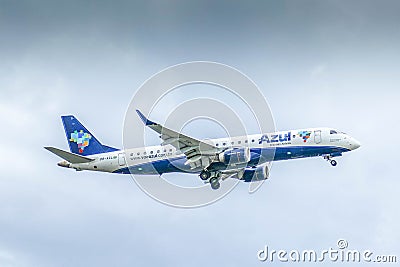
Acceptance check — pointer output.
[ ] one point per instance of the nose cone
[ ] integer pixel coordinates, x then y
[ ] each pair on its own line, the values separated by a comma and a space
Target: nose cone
355, 144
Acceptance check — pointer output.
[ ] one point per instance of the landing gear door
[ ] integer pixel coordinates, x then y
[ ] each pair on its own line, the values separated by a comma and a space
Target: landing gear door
317, 136
121, 159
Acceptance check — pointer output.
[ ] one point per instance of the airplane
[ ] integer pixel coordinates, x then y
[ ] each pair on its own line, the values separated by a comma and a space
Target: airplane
243, 157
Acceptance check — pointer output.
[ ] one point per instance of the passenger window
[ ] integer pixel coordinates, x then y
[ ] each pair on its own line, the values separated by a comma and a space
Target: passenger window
333, 132
252, 141
131, 154
158, 151
151, 152
224, 144
144, 153
138, 153
239, 142
246, 141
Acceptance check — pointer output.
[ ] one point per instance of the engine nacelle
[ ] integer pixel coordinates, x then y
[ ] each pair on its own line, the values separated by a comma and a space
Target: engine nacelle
255, 174
235, 156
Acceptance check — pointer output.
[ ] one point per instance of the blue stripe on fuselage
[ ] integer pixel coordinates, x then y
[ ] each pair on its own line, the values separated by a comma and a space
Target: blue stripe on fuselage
281, 153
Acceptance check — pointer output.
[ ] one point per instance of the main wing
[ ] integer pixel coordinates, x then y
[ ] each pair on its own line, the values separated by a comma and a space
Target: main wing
199, 154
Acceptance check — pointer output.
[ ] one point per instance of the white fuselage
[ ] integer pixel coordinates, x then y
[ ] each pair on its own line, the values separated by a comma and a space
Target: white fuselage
286, 144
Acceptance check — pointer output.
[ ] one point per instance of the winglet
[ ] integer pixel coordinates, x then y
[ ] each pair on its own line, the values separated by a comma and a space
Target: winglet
144, 119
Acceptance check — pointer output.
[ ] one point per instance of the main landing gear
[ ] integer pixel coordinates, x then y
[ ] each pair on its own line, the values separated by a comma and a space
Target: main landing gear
331, 161
204, 175
214, 181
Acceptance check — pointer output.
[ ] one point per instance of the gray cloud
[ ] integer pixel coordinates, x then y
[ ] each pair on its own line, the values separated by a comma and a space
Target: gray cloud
331, 63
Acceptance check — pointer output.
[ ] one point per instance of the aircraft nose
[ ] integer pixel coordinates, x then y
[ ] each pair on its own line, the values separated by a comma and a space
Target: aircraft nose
355, 144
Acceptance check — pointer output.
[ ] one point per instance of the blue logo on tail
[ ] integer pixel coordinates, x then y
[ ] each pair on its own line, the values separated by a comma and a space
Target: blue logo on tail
81, 138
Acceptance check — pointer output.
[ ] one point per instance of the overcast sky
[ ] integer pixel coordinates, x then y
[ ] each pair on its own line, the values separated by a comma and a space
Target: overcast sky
319, 63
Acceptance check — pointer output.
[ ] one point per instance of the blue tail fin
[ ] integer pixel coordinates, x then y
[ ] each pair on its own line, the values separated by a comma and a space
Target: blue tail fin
80, 140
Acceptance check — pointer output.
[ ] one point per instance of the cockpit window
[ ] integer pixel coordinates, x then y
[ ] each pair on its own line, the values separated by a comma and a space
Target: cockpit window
333, 132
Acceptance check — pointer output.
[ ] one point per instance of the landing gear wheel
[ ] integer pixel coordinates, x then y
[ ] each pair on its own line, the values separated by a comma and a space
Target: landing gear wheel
204, 175
333, 162
214, 183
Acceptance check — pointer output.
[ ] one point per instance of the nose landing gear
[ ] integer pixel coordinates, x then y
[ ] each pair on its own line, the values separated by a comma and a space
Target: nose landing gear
331, 161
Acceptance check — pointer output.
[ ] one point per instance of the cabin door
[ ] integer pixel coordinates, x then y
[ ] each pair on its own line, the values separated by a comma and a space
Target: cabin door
121, 159
317, 136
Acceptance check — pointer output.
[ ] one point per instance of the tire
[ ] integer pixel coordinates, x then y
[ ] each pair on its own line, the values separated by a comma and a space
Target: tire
215, 183
333, 162
204, 175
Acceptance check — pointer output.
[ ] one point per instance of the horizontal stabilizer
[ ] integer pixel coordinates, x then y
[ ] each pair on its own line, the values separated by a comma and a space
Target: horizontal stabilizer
70, 157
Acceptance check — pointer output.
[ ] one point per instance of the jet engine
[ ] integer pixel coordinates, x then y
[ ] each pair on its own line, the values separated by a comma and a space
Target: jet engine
235, 156
255, 174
